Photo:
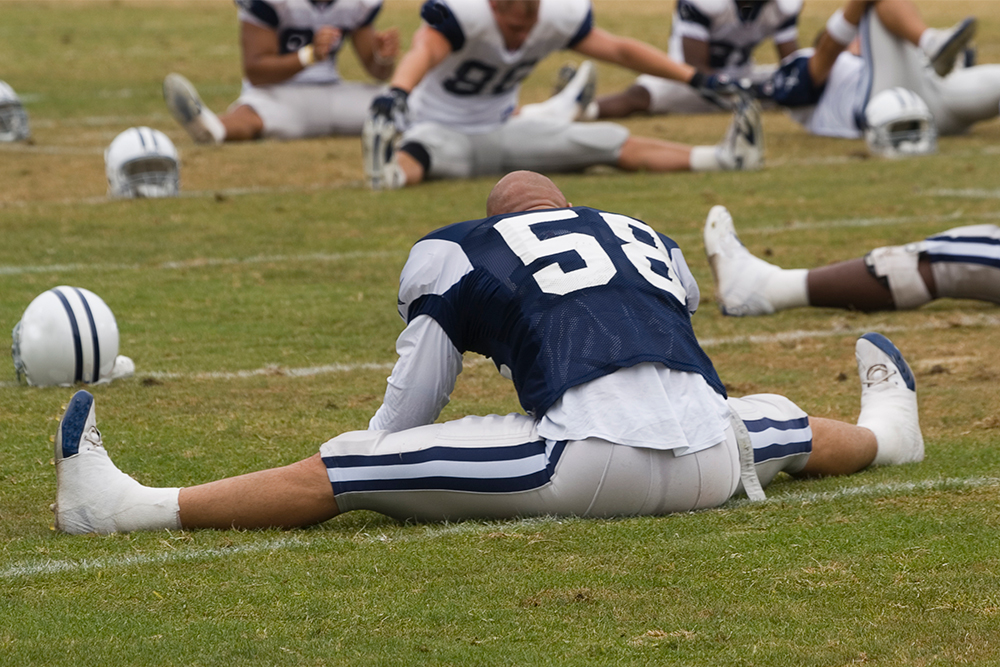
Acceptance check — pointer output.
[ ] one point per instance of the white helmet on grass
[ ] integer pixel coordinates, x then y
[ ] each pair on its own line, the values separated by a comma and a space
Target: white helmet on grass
898, 124
13, 117
68, 335
142, 162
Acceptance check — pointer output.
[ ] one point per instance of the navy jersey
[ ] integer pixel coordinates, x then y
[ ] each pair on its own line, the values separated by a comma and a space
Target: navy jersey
557, 297
792, 85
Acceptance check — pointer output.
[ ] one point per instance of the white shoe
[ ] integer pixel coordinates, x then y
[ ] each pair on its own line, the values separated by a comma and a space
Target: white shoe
89, 488
740, 278
378, 147
888, 401
944, 46
574, 91
743, 146
580, 84
186, 107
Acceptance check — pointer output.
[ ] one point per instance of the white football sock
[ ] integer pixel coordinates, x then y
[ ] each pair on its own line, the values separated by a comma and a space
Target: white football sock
706, 158
787, 289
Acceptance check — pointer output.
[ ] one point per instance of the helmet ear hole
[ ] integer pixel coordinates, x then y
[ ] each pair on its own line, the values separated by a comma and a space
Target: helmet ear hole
899, 123
142, 162
65, 336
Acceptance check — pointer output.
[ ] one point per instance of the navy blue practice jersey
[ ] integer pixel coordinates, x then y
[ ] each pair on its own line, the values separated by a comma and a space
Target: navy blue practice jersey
557, 297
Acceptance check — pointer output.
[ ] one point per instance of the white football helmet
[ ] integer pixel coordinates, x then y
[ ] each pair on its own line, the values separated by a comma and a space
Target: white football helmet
68, 335
13, 117
142, 162
899, 124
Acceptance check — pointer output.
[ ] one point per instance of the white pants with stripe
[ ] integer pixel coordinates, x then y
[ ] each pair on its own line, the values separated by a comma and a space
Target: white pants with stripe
497, 468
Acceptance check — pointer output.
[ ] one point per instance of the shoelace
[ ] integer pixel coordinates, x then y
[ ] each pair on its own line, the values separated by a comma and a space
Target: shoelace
878, 374
93, 437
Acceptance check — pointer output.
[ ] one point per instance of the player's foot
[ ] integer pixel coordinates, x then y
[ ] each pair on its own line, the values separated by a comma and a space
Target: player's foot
89, 488
740, 278
580, 81
186, 107
574, 92
944, 46
888, 401
378, 144
743, 146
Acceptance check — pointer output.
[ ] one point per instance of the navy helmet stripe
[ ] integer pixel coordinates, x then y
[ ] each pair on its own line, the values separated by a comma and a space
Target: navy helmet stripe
760, 425
93, 336
77, 345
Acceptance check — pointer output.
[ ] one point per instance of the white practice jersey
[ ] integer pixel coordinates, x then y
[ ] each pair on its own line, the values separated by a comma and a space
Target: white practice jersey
296, 21
475, 89
732, 38
835, 113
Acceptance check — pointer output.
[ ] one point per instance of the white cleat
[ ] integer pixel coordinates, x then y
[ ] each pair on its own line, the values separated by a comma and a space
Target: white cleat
945, 46
89, 487
888, 401
743, 146
378, 144
186, 107
574, 91
740, 278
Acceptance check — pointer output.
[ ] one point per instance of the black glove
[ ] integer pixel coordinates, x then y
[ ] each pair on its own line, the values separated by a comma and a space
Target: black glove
391, 105
720, 88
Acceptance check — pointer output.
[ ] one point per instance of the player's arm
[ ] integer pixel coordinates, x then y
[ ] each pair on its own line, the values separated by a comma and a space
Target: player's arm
422, 379
839, 33
428, 50
697, 54
263, 62
377, 50
786, 49
634, 55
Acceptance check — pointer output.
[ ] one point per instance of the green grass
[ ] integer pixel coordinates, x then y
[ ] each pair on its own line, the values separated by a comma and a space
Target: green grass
277, 259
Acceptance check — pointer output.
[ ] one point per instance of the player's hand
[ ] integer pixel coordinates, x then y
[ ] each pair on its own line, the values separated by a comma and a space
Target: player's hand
720, 88
326, 40
385, 46
391, 105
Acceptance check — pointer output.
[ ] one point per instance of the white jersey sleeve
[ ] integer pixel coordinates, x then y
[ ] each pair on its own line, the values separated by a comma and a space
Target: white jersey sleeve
296, 21
475, 89
424, 375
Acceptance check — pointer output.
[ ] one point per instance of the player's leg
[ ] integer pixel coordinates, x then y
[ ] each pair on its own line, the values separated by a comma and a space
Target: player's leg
942, 47
186, 107
967, 96
426, 150
965, 262
94, 496
741, 148
784, 439
242, 124
891, 278
632, 100
347, 107
289, 497
498, 467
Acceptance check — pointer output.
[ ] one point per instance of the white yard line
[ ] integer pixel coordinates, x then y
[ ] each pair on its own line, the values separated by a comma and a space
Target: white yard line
199, 262
39, 568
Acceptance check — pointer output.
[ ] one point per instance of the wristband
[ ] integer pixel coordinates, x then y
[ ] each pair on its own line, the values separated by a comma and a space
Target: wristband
307, 55
697, 80
840, 29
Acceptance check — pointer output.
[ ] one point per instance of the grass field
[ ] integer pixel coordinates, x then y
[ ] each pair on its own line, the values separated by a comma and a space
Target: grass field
259, 309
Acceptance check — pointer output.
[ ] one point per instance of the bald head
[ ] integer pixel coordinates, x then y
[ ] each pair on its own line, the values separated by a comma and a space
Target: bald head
524, 191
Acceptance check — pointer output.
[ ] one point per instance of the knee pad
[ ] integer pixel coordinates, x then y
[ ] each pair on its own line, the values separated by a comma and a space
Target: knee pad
897, 265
